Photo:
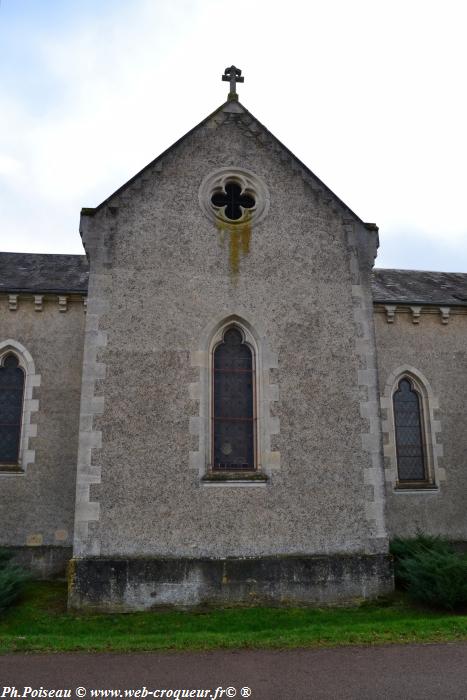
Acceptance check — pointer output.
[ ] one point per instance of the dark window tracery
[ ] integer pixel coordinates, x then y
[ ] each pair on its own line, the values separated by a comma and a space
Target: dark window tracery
410, 441
11, 409
233, 404
233, 200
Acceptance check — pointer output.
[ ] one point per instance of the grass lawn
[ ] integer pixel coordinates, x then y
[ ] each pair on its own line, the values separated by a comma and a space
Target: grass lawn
39, 622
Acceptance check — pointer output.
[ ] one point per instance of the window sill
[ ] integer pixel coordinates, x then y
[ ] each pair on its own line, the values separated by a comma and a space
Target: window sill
234, 478
11, 469
411, 486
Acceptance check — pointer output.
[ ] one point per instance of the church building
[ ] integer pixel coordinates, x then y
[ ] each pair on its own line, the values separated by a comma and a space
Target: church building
223, 401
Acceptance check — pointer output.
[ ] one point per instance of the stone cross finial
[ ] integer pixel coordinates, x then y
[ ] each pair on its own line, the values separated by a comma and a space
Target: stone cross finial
233, 76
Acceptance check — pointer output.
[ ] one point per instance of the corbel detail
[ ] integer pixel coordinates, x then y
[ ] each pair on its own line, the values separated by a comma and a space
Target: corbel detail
13, 302
38, 302
445, 312
390, 312
416, 311
62, 303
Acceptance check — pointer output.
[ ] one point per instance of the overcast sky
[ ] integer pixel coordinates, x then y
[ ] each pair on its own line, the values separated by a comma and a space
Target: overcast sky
370, 95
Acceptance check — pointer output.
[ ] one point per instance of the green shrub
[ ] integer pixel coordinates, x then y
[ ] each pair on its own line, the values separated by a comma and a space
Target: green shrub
12, 580
408, 546
403, 547
431, 572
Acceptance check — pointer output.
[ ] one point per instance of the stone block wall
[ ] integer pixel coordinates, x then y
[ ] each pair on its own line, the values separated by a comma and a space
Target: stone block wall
432, 346
37, 501
163, 277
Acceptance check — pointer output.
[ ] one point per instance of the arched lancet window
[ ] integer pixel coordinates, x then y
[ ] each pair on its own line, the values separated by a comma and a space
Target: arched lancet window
410, 433
11, 409
233, 404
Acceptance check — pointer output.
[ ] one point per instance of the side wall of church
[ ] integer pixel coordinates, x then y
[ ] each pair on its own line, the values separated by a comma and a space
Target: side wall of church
37, 502
435, 353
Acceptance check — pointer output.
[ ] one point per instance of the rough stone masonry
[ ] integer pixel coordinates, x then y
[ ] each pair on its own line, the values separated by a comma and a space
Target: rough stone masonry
126, 398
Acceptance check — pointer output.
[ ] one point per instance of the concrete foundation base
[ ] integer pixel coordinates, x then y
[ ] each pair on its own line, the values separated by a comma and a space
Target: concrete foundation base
44, 562
107, 584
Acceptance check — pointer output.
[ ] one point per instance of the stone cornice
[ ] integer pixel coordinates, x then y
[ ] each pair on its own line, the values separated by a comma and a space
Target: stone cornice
14, 301
418, 311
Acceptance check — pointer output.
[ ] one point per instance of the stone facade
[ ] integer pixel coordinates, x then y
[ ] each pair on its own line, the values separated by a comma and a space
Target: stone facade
435, 353
37, 500
154, 525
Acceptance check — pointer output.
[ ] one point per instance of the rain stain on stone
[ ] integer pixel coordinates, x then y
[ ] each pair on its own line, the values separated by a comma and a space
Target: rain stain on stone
239, 237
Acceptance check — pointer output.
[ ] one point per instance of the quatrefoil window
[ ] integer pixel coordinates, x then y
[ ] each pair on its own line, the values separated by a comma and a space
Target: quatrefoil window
234, 196
233, 201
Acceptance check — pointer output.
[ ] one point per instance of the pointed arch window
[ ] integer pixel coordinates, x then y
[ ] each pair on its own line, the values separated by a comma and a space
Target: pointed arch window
11, 409
233, 429
410, 433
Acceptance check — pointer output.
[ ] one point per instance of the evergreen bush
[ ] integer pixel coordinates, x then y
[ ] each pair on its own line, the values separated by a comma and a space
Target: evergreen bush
12, 580
403, 547
431, 571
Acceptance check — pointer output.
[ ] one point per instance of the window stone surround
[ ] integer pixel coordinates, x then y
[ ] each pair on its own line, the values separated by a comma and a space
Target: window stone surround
30, 405
249, 182
268, 461
431, 426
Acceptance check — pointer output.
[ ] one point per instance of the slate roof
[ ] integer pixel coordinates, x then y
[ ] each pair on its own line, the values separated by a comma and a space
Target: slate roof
419, 287
42, 273
38, 272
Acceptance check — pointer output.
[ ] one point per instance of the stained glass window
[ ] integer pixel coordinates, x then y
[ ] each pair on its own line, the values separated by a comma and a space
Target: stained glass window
409, 433
11, 408
233, 413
